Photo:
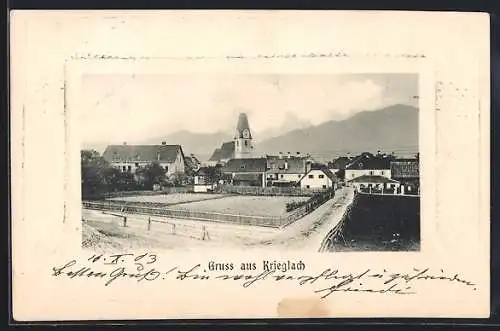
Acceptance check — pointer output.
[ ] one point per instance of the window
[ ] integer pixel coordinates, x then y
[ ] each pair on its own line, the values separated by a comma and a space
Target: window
129, 168
166, 168
382, 172
371, 172
298, 176
324, 186
281, 176
137, 164
307, 186
321, 176
124, 168
311, 176
246, 143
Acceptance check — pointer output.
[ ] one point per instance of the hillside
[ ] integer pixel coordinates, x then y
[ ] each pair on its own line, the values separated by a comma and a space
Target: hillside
391, 128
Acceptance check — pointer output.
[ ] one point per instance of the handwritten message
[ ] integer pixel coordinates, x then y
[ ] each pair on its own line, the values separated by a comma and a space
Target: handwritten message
145, 268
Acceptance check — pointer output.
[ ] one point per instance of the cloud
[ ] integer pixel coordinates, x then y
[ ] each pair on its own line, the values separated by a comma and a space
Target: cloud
131, 108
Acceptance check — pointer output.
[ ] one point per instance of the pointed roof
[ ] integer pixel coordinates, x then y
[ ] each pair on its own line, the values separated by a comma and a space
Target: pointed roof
225, 152
242, 125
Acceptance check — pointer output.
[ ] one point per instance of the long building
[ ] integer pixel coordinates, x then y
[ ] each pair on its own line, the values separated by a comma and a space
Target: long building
128, 158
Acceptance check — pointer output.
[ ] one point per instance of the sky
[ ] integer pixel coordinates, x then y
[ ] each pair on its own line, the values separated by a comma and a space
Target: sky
139, 107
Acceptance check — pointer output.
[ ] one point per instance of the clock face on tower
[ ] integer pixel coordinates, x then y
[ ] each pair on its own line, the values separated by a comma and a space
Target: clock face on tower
246, 134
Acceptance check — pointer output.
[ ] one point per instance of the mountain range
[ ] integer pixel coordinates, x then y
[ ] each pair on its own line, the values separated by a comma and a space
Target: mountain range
394, 128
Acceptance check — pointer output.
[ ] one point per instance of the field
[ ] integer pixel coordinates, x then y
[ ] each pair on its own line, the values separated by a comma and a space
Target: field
173, 198
244, 205
104, 232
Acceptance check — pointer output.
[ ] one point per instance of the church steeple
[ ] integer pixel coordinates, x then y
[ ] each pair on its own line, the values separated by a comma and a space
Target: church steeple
242, 138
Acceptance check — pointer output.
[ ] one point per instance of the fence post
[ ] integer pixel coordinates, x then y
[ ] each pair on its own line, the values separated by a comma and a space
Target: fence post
149, 223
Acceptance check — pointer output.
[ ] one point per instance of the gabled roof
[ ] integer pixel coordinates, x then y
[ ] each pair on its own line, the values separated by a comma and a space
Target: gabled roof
224, 153
291, 165
326, 171
148, 153
405, 168
368, 161
372, 179
245, 165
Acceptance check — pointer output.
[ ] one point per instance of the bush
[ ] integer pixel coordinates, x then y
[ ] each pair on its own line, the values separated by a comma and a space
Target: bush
314, 201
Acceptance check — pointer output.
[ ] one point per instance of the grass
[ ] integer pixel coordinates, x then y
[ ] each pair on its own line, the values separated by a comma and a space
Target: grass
244, 205
172, 198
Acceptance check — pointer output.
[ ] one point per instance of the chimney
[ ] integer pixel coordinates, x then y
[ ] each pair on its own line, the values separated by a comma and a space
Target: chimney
281, 155
298, 154
163, 142
308, 166
289, 155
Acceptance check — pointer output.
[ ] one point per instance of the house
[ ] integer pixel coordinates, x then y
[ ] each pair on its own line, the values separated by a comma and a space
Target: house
202, 180
223, 154
286, 171
246, 172
407, 172
128, 158
370, 165
374, 184
318, 178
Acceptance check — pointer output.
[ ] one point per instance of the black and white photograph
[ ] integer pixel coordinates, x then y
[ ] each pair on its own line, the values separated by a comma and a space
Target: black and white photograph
311, 162
231, 165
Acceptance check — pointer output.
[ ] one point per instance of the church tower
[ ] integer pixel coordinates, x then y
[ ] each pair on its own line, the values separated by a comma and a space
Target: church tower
243, 139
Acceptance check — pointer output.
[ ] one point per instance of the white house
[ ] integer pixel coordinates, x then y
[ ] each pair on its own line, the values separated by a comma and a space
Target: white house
202, 182
286, 170
368, 165
128, 158
318, 179
369, 183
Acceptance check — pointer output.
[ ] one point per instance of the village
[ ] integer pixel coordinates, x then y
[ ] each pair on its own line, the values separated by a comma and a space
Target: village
236, 191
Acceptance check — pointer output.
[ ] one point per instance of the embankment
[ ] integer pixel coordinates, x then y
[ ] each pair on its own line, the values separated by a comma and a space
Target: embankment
377, 223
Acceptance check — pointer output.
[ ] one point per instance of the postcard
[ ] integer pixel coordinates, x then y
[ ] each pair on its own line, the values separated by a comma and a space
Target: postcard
249, 164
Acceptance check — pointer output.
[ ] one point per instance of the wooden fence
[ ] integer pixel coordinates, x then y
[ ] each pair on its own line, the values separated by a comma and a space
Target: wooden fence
271, 191
267, 221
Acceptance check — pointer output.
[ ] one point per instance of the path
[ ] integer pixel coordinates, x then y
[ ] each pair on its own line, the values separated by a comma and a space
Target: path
308, 232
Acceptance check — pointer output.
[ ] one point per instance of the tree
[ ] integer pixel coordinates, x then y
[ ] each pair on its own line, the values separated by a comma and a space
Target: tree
97, 176
340, 174
213, 174
149, 175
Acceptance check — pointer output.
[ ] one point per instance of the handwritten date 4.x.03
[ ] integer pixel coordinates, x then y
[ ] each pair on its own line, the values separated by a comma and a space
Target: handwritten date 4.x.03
141, 268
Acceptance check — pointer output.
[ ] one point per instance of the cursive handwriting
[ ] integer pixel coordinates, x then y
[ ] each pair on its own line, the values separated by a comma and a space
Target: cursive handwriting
142, 268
